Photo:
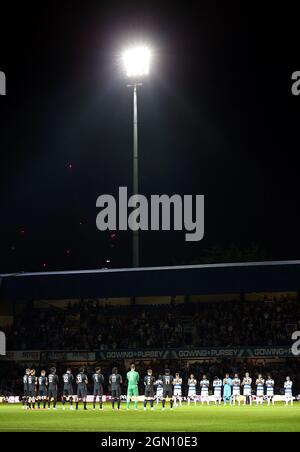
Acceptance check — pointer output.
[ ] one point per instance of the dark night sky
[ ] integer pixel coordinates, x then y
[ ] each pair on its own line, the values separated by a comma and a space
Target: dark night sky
216, 118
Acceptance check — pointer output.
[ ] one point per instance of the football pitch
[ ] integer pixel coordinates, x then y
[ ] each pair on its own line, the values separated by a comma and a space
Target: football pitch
181, 419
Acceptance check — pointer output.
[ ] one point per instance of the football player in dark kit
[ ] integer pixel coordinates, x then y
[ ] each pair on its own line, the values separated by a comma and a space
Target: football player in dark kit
52, 387
25, 389
149, 381
68, 380
167, 381
42, 394
98, 380
32, 387
115, 381
82, 381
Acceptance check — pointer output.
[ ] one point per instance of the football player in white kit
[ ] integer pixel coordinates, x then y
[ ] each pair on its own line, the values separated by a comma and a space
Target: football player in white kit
247, 392
217, 385
236, 389
204, 384
288, 393
270, 390
159, 390
177, 394
260, 389
192, 395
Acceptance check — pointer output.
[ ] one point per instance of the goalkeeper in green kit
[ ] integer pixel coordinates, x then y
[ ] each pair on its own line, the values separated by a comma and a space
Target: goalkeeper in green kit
132, 389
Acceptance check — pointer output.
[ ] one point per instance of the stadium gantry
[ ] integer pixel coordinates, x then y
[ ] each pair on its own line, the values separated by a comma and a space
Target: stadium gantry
277, 276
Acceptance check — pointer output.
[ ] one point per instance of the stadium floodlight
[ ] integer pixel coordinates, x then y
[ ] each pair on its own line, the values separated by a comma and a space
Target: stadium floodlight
136, 61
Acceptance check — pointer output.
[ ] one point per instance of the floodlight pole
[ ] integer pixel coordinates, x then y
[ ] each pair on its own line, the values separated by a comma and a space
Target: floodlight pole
135, 185
135, 238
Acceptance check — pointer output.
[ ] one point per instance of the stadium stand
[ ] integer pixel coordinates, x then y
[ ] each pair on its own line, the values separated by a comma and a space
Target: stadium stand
239, 305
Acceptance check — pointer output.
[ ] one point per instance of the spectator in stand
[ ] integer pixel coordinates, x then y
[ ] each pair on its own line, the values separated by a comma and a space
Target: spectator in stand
87, 325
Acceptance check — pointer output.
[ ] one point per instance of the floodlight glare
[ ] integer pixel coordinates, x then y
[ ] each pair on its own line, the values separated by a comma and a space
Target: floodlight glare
136, 61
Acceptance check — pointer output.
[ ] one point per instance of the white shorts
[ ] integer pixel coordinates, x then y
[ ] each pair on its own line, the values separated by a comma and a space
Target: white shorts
236, 393
259, 393
247, 392
204, 394
177, 392
270, 393
192, 393
218, 395
159, 392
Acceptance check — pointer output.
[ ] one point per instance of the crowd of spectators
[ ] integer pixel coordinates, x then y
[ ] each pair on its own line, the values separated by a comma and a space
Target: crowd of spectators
90, 326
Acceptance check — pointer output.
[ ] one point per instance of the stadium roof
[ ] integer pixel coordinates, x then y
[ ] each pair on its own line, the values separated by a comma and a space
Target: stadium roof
153, 281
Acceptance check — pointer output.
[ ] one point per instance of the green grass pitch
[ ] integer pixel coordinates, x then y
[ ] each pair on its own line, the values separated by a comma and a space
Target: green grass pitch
181, 419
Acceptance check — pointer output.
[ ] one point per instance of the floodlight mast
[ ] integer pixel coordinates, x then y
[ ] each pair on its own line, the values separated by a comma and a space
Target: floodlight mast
135, 182
137, 65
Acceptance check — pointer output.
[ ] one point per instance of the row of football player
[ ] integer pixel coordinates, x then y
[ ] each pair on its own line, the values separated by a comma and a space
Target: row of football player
230, 389
45, 389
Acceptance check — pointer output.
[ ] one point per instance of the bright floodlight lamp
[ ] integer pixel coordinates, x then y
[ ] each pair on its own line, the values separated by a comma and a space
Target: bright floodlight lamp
136, 61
